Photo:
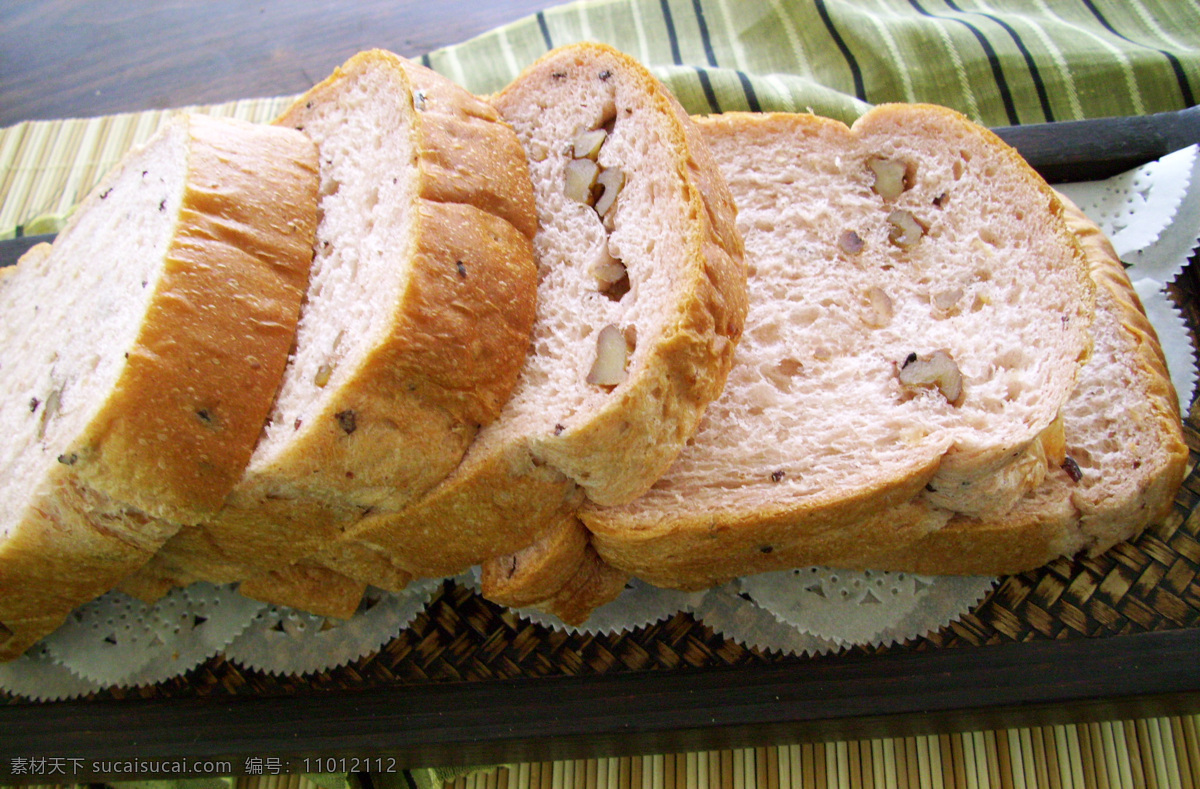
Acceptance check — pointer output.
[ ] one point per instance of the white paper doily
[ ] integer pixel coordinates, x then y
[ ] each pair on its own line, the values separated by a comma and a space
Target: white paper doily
284, 641
1136, 207
117, 640
640, 605
736, 616
865, 607
36, 676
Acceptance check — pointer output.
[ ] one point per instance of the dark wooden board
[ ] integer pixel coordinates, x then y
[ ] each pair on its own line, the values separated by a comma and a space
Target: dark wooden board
467, 723
80, 58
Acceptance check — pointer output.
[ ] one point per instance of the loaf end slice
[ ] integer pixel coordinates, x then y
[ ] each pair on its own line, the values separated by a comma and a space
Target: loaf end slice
559, 574
142, 352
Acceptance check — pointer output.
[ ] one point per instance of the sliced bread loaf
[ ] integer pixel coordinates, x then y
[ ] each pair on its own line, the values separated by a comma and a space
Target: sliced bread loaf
1126, 457
641, 300
919, 315
414, 328
141, 353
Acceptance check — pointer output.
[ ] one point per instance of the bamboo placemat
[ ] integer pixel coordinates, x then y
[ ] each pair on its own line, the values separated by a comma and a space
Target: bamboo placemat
1158, 753
1151, 752
46, 167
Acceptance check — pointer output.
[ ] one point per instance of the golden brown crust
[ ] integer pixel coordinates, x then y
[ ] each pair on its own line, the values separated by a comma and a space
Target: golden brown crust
370, 566
767, 541
248, 217
560, 574
1031, 535
469, 155
594, 583
538, 571
180, 449
307, 587
509, 500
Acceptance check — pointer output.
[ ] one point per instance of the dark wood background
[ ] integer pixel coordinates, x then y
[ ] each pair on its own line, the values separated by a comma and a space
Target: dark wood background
79, 58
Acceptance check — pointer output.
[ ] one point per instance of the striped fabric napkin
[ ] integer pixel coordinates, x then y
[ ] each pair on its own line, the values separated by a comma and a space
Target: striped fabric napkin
1001, 62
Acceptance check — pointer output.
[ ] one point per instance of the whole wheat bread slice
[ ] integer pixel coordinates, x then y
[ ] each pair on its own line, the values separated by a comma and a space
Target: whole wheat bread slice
657, 280
920, 312
413, 330
141, 353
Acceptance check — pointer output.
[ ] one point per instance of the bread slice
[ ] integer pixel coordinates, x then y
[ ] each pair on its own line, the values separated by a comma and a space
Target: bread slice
1124, 441
920, 311
141, 353
658, 281
414, 328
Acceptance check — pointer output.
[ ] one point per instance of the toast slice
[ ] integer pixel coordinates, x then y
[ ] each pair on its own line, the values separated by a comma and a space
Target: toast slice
641, 300
141, 352
920, 312
413, 331
1124, 445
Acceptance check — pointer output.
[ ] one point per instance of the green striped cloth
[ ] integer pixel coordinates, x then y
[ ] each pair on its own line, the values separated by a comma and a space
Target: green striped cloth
1000, 62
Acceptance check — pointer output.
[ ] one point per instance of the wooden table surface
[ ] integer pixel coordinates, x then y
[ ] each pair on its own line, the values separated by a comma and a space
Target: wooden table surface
80, 58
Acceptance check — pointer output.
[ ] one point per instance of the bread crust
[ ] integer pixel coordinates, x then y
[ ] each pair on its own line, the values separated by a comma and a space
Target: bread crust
720, 547
167, 446
449, 353
179, 425
307, 587
501, 498
538, 571
560, 574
